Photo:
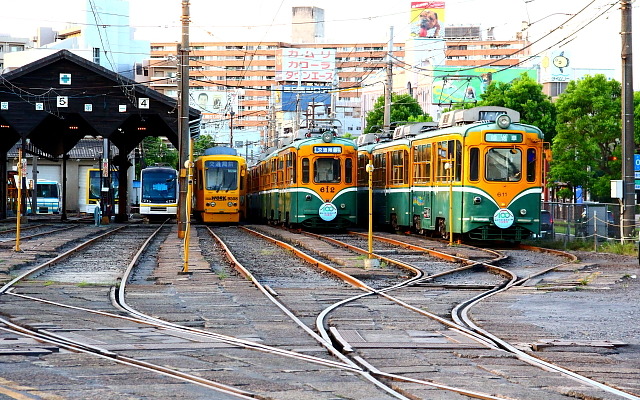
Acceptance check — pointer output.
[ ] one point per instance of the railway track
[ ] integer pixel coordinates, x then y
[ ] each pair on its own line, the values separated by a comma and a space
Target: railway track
463, 295
322, 327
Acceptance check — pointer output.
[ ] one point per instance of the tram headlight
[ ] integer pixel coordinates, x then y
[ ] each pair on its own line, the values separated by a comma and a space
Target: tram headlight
230, 204
523, 212
212, 204
343, 206
308, 197
477, 200
503, 121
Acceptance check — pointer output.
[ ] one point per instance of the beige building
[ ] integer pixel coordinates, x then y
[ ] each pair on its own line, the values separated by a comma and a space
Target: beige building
9, 44
243, 85
246, 72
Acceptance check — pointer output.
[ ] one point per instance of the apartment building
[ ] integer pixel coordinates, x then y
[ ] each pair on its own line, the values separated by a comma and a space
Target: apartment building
249, 71
245, 84
9, 44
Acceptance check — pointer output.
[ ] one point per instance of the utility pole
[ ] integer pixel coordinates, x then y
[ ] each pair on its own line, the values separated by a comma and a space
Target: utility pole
183, 118
386, 128
628, 217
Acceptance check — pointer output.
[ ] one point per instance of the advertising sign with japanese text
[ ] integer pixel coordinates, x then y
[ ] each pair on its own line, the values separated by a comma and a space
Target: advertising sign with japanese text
306, 65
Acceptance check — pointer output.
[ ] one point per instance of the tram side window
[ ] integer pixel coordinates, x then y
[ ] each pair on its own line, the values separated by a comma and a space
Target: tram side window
502, 165
363, 175
422, 163
291, 168
532, 159
280, 177
379, 170
449, 155
326, 170
305, 170
474, 164
274, 171
348, 170
399, 167
457, 160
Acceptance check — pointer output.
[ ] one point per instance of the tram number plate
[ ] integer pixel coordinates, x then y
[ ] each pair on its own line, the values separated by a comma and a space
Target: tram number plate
502, 194
327, 189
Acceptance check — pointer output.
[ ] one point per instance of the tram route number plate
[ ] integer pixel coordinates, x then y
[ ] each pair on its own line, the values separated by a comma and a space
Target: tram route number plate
328, 212
503, 218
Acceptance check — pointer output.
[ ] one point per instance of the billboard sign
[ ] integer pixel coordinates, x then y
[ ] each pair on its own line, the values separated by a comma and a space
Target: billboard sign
207, 101
291, 97
555, 66
427, 19
453, 86
306, 65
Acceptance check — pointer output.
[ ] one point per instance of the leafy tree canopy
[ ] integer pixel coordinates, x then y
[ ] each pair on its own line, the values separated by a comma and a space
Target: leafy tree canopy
524, 95
404, 108
156, 152
201, 143
588, 136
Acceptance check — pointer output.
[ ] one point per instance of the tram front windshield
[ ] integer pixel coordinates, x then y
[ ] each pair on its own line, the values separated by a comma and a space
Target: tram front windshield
159, 187
326, 170
221, 175
503, 165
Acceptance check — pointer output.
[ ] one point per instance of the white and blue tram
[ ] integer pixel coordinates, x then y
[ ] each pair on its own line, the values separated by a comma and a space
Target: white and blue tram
158, 192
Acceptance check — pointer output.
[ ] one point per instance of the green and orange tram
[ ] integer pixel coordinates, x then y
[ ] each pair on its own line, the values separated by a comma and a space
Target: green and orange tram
309, 182
477, 175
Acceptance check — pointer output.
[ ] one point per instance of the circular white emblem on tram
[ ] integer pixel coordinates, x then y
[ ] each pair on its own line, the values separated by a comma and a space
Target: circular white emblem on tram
328, 211
503, 218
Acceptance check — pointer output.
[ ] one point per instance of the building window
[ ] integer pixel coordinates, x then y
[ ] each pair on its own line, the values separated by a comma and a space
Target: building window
96, 55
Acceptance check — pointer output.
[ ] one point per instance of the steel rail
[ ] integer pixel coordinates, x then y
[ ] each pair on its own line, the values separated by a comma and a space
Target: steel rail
400, 378
72, 345
78, 347
523, 356
121, 303
320, 325
461, 317
323, 340
462, 321
23, 228
3, 241
320, 321
62, 256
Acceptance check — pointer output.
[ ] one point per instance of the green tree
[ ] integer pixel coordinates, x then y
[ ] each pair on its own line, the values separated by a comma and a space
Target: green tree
404, 108
586, 149
201, 143
524, 95
156, 152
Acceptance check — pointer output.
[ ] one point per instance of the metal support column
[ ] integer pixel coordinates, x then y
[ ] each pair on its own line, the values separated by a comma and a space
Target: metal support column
183, 117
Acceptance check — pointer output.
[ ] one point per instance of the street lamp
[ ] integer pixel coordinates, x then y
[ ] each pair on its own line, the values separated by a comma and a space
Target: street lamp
231, 114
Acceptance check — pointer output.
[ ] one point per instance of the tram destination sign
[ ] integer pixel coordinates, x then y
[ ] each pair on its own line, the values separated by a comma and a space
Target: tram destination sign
327, 149
503, 137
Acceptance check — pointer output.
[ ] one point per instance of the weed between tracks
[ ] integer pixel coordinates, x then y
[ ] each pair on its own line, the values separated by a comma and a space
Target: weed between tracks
222, 275
627, 249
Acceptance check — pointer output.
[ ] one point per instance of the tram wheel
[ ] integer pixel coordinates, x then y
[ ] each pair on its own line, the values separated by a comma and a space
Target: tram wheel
442, 229
394, 222
417, 226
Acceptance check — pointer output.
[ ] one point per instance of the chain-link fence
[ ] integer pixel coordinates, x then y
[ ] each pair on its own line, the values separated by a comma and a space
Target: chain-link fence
582, 221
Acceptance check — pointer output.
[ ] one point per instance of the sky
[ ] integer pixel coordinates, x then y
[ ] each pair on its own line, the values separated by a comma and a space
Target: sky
591, 36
